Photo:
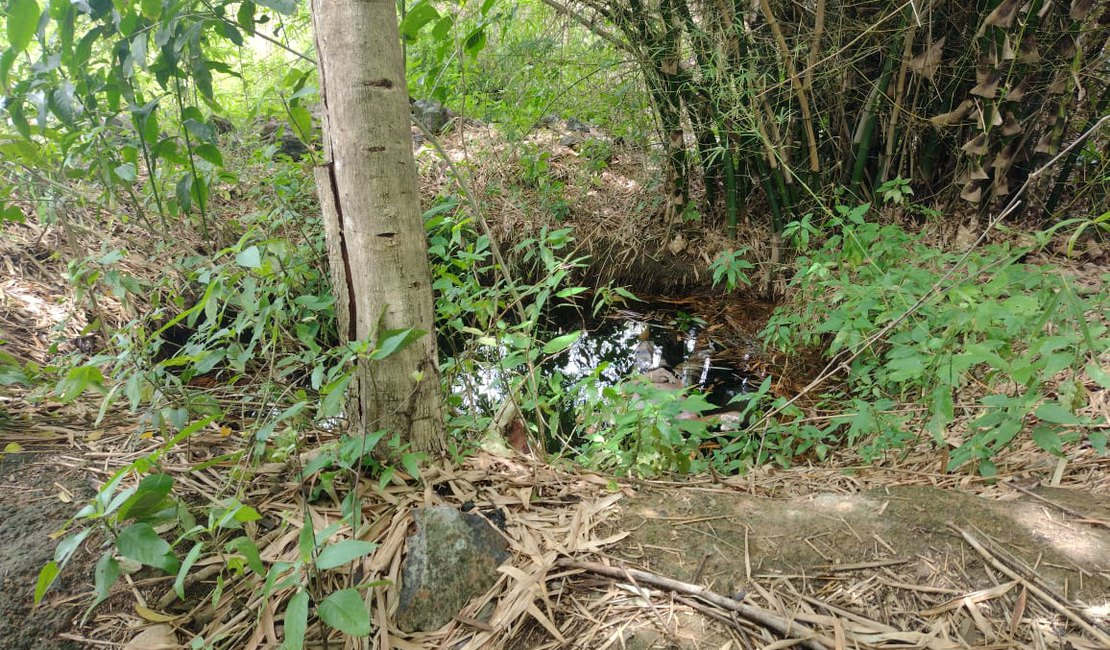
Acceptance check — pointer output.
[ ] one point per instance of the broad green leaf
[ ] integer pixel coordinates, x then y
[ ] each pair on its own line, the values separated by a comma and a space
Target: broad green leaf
68, 546
343, 552
149, 498
46, 578
418, 15
1056, 413
296, 621
1047, 438
245, 15
126, 172
141, 543
104, 576
209, 152
250, 258
1100, 376
393, 341
23, 19
345, 611
560, 343
249, 550
78, 380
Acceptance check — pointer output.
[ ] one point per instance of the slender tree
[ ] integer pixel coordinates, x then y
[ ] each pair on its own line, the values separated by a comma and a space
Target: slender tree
371, 207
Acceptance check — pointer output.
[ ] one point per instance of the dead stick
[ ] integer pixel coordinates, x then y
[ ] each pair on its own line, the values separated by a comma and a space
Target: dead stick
1037, 591
811, 639
1084, 518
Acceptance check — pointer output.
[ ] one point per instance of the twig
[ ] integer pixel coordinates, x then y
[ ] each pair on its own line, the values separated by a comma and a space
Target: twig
810, 638
1052, 601
1087, 519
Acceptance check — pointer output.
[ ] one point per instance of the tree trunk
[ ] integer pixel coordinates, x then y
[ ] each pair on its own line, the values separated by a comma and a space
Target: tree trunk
371, 209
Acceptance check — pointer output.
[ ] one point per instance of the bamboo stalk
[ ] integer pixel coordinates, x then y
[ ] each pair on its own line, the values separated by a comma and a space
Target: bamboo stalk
796, 83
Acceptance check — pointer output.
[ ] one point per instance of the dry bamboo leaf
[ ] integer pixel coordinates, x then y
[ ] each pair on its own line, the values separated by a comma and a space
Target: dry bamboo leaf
1007, 49
1016, 93
1002, 16
988, 83
1001, 186
1047, 144
954, 116
1010, 125
996, 116
1066, 47
1028, 52
1080, 9
1059, 86
977, 146
1005, 158
155, 637
977, 173
927, 63
1019, 610
972, 192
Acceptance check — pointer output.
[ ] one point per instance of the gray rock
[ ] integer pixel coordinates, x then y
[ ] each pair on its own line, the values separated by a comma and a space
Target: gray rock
432, 114
452, 558
575, 124
549, 121
571, 140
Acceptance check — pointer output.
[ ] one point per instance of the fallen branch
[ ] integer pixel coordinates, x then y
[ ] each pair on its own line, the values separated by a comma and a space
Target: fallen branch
1060, 607
784, 627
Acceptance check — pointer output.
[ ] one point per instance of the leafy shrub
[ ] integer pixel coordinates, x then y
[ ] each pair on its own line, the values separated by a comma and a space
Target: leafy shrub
1000, 341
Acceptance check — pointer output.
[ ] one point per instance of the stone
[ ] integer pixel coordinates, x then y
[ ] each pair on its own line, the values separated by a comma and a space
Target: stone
451, 558
432, 114
575, 124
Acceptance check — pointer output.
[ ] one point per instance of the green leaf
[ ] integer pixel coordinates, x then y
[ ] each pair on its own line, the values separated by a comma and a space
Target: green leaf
23, 19
210, 153
69, 545
343, 552
104, 576
249, 550
149, 498
1100, 376
296, 621
126, 172
1056, 413
141, 543
560, 343
78, 380
1047, 438
345, 611
46, 578
418, 15
250, 258
190, 560
393, 341
334, 398
245, 15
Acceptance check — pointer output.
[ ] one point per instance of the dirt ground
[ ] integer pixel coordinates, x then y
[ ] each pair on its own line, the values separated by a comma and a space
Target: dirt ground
893, 552
37, 497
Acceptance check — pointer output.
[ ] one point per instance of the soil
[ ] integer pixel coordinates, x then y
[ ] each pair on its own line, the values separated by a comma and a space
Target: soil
36, 499
724, 539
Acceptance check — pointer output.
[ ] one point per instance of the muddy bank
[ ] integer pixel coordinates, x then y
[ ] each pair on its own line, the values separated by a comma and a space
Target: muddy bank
36, 499
896, 551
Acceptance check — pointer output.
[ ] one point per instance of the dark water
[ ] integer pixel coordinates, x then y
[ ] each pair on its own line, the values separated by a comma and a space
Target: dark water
657, 340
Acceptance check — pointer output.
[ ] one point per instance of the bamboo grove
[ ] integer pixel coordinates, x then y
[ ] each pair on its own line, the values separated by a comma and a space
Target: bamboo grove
771, 103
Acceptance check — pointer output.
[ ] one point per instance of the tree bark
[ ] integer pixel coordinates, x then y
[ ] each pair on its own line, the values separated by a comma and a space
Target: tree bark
371, 210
